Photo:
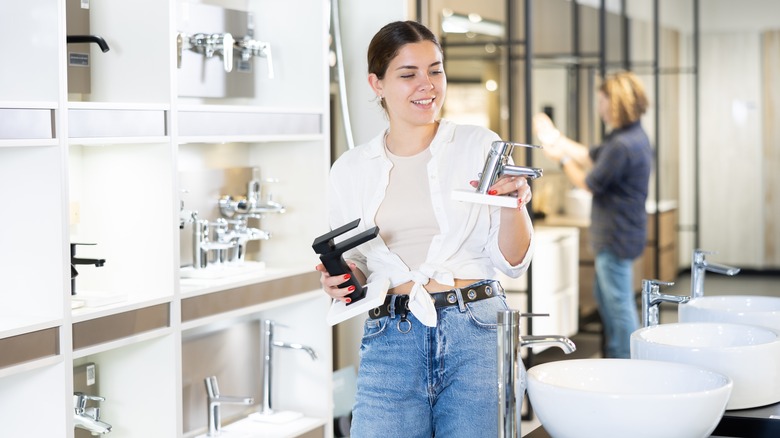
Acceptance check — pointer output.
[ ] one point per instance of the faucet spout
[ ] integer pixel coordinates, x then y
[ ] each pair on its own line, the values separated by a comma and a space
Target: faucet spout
511, 370
267, 351
215, 400
652, 298
88, 418
699, 266
561, 342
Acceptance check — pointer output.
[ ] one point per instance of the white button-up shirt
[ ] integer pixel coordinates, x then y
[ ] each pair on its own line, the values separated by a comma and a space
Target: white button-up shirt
467, 244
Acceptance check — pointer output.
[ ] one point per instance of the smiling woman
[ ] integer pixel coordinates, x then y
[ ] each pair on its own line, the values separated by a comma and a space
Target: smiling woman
428, 354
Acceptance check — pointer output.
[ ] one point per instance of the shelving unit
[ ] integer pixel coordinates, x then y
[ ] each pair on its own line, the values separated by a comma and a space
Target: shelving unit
103, 167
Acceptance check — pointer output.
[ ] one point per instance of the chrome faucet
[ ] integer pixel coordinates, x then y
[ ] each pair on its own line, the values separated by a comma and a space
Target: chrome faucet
237, 232
496, 165
202, 243
252, 206
652, 298
249, 47
88, 418
208, 45
267, 351
699, 266
215, 400
512, 376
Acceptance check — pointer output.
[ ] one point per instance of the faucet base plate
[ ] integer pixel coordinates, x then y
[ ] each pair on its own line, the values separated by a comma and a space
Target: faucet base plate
479, 198
376, 291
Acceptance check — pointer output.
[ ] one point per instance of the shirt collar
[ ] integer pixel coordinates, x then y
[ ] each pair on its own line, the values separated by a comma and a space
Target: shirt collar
376, 147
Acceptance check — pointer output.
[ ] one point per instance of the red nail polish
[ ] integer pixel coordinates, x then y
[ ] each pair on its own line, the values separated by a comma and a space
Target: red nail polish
347, 300
347, 276
492, 192
351, 288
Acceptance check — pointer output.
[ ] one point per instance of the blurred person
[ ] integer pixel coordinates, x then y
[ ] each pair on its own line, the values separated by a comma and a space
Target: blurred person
617, 174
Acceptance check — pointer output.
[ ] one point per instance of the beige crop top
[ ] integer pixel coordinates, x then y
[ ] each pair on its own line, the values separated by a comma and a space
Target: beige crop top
405, 217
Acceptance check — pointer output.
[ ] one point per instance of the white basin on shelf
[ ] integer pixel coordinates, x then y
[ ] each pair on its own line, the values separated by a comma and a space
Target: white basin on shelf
739, 309
749, 355
619, 398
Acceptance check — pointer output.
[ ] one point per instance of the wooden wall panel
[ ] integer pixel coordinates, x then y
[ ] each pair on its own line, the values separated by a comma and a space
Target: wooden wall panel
730, 148
771, 146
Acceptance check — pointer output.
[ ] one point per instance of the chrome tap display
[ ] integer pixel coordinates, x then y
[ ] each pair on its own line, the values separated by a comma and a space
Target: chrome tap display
511, 370
267, 327
248, 47
496, 165
88, 418
699, 266
203, 245
252, 205
216, 400
208, 45
652, 298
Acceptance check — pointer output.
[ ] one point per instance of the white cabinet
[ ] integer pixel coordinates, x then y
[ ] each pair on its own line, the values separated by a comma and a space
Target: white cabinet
101, 165
554, 272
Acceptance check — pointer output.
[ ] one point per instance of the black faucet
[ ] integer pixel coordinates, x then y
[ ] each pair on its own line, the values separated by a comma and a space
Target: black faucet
76, 39
79, 261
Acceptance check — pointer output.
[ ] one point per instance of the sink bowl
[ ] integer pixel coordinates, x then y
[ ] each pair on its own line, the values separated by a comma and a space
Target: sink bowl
749, 355
740, 309
619, 398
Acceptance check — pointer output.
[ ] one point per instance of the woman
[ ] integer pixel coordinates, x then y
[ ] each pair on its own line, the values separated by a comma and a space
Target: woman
428, 356
617, 173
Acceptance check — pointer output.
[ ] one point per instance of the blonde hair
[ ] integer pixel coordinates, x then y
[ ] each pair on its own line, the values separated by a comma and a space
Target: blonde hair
626, 96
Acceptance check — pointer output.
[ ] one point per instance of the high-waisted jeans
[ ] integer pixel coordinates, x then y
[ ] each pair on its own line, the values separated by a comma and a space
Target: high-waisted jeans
430, 381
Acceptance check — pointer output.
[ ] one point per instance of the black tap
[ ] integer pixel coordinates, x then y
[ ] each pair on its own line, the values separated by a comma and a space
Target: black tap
76, 39
79, 261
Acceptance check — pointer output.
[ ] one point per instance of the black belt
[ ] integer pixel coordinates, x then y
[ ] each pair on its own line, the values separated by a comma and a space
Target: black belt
474, 292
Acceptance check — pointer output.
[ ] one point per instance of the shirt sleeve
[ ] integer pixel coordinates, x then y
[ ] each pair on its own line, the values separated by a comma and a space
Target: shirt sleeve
338, 196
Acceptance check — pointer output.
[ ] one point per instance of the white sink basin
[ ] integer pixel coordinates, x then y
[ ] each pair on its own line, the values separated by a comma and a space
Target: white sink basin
739, 309
619, 398
748, 354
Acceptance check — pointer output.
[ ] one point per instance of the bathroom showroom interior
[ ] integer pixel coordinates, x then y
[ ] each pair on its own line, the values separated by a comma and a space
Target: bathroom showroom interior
162, 174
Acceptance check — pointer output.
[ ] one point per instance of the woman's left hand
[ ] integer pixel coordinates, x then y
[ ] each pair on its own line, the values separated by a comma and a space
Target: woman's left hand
516, 186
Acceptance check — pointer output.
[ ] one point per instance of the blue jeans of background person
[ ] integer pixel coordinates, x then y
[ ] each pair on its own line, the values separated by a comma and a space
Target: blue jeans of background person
614, 293
440, 380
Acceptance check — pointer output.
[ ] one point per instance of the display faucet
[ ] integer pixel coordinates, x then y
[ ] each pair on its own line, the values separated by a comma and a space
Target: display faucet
78, 39
699, 266
208, 45
215, 400
202, 244
252, 206
512, 375
652, 298
88, 418
267, 350
80, 261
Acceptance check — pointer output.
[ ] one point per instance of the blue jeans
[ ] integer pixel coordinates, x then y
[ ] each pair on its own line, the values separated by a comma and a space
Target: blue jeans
615, 297
430, 381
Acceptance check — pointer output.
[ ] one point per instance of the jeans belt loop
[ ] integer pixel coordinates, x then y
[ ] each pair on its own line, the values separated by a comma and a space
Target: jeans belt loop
461, 303
391, 306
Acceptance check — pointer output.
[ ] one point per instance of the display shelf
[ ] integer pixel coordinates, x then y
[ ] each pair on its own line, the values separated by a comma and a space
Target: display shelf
138, 382
31, 403
112, 123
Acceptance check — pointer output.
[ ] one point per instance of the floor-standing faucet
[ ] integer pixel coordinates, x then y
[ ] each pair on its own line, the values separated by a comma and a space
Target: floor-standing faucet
699, 266
511, 370
267, 348
652, 298
215, 400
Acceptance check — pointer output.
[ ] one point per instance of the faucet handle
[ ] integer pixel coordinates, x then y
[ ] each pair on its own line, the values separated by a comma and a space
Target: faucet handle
80, 400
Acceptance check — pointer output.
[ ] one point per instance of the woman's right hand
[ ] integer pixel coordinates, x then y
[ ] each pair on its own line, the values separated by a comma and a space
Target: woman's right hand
330, 283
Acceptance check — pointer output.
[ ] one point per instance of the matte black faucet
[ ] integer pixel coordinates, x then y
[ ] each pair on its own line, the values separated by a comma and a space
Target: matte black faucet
79, 261
76, 39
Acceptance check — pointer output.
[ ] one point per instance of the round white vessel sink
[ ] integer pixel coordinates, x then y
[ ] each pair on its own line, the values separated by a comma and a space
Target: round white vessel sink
739, 309
749, 355
619, 398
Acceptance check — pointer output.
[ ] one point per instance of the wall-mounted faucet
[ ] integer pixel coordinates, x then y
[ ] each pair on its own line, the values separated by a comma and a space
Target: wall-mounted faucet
267, 326
88, 418
512, 376
208, 45
80, 261
78, 39
699, 266
215, 400
248, 47
652, 298
251, 206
